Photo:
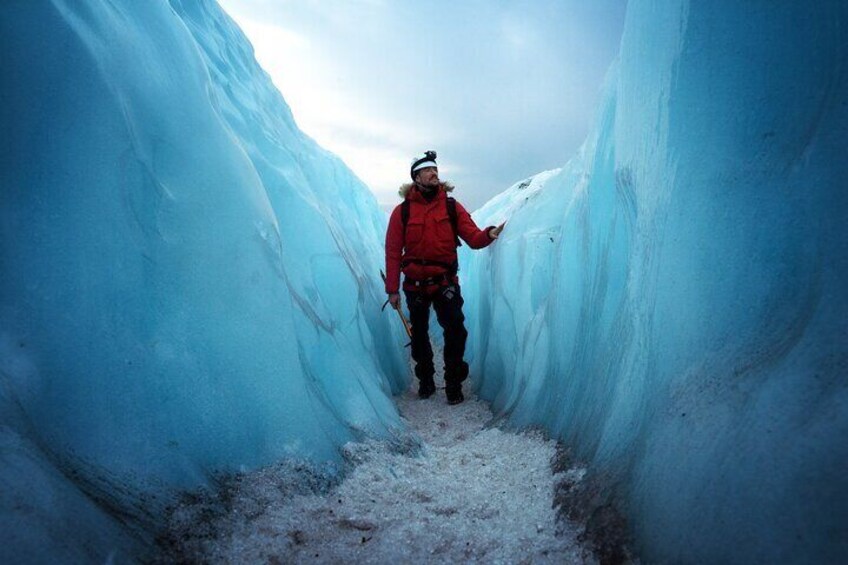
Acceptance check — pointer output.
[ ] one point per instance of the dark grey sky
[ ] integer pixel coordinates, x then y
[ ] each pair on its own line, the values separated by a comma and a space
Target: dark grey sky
501, 90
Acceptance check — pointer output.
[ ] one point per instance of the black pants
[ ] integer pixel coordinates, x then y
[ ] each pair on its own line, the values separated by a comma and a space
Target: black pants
447, 302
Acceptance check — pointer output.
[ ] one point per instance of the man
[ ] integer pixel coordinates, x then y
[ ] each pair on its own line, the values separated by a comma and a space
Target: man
421, 241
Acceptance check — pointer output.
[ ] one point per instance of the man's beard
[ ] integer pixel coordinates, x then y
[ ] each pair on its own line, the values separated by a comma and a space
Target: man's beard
428, 188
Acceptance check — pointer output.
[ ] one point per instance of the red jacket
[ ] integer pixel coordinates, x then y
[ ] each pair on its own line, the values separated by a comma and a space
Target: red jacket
429, 236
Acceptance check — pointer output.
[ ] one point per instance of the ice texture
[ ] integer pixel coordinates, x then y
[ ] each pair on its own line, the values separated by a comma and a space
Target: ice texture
673, 302
473, 493
190, 285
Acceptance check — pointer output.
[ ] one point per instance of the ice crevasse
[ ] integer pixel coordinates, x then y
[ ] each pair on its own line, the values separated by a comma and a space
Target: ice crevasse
672, 303
190, 285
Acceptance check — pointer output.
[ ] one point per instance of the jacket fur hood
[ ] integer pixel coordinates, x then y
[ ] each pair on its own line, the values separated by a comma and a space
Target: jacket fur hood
406, 187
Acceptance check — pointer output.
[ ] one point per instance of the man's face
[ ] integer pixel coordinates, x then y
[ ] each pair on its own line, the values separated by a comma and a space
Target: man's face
428, 176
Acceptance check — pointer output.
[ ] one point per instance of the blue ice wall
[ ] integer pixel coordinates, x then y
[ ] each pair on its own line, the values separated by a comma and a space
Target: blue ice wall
673, 303
189, 284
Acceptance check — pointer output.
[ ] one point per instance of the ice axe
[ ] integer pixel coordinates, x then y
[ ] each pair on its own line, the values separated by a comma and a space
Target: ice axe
403, 319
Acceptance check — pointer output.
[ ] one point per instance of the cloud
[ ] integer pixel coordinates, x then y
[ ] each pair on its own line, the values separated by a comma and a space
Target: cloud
500, 90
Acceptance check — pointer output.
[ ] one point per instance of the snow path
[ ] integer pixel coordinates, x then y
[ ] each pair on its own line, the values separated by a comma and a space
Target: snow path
474, 494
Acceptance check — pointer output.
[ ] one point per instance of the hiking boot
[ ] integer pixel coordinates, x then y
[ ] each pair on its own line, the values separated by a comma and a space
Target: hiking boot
426, 388
454, 393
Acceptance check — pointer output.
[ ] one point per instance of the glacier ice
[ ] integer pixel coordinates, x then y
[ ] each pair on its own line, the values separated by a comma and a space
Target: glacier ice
477, 494
188, 281
672, 303
190, 285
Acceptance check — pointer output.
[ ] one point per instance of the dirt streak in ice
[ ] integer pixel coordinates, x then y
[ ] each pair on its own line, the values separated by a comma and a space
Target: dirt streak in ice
473, 494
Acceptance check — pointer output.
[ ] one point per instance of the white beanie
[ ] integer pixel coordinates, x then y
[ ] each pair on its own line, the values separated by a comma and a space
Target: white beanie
428, 159
424, 165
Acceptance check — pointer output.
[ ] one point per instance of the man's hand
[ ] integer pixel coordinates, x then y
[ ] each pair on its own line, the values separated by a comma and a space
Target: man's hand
394, 300
495, 232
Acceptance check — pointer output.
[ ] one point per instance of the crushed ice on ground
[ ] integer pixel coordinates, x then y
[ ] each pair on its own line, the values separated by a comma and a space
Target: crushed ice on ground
472, 493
